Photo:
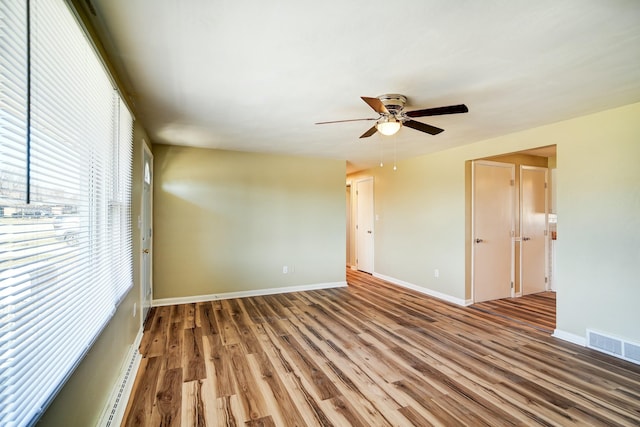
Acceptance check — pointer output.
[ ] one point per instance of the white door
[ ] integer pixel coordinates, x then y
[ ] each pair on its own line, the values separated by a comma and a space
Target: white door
493, 229
146, 233
364, 225
533, 226
348, 203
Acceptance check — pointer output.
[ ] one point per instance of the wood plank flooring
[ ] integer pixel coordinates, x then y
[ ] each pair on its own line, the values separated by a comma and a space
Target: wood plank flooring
537, 310
371, 354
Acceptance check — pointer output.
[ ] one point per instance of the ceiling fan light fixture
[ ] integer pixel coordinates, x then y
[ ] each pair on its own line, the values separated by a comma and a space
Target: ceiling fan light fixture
388, 127
392, 115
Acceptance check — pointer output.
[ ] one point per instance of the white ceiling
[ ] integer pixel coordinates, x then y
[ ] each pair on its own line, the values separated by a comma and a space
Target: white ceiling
256, 75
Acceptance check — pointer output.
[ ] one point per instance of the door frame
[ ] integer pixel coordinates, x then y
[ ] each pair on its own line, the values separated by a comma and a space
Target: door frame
145, 304
473, 221
349, 212
357, 225
546, 225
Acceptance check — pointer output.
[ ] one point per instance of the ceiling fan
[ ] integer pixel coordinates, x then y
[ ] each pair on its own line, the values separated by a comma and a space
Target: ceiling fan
392, 115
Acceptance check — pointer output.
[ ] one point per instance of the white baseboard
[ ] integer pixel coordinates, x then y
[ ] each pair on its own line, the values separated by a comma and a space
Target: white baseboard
117, 403
426, 291
244, 294
572, 338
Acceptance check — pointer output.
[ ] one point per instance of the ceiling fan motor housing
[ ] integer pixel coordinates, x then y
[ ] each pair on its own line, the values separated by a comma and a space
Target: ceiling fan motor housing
394, 103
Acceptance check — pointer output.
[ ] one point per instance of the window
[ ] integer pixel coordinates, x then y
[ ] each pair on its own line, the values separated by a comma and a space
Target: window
65, 197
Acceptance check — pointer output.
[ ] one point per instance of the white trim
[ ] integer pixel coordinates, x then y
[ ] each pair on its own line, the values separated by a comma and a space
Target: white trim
244, 294
572, 338
113, 412
426, 291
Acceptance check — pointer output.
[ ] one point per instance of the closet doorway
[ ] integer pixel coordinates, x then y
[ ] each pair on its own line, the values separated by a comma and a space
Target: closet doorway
527, 251
534, 274
493, 228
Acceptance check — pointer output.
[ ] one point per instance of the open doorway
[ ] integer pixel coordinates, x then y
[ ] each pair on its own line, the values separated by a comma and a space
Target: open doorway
530, 241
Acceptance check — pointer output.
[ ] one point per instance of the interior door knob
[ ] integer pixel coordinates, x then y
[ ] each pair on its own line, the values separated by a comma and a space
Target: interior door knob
369, 231
526, 238
479, 240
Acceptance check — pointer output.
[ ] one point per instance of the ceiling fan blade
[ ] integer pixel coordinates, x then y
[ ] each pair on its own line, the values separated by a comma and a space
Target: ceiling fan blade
423, 127
370, 132
438, 111
342, 121
376, 104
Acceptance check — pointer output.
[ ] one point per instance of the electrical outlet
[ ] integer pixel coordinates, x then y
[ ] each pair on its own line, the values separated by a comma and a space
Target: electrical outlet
285, 269
436, 273
135, 306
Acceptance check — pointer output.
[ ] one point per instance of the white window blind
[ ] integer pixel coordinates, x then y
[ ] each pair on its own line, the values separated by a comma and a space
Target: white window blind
13, 99
65, 237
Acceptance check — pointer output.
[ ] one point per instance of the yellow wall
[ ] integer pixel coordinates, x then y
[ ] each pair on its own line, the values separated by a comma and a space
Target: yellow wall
229, 221
84, 397
421, 218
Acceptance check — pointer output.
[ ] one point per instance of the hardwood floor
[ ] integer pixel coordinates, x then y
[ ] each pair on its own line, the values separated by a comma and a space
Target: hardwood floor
536, 310
371, 354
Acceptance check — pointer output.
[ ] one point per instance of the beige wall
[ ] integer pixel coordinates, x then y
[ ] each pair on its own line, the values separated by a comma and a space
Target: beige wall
421, 226
420, 221
229, 221
421, 218
83, 398
598, 194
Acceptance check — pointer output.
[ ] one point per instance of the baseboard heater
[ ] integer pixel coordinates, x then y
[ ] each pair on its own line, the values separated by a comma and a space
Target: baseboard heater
114, 411
614, 346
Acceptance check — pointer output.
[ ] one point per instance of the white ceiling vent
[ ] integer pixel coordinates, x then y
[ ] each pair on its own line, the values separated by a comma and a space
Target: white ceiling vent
614, 346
